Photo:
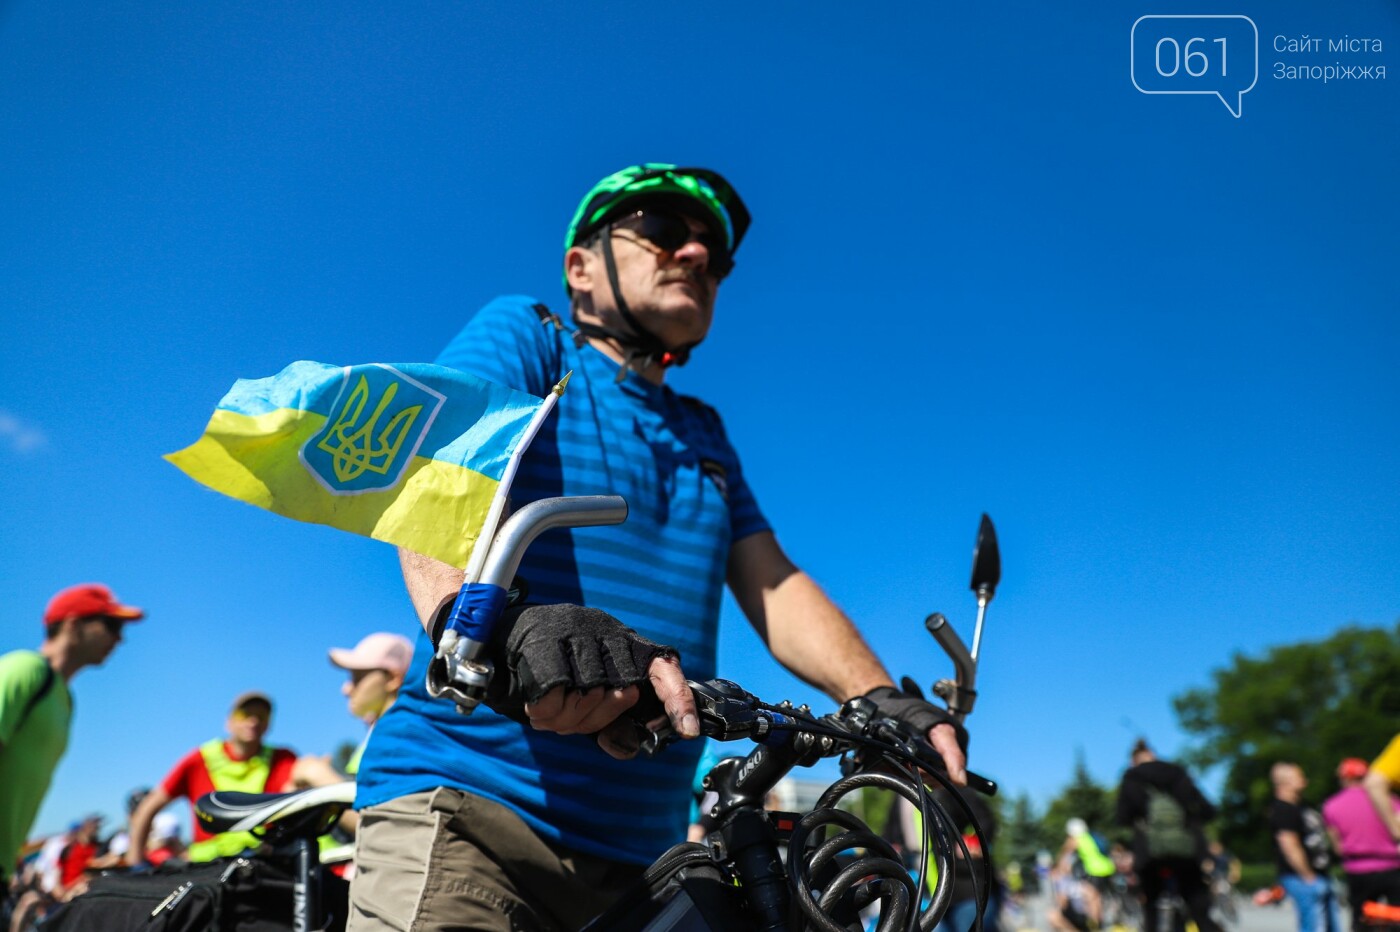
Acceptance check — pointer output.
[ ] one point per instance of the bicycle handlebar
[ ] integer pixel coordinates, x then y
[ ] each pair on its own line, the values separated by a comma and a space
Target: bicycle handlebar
729, 713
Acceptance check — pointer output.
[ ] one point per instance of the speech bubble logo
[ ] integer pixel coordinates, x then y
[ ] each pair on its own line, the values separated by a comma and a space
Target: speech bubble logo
1205, 54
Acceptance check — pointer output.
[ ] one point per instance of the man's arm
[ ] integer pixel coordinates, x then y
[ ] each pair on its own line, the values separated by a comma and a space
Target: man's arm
154, 802
1191, 797
431, 584
1292, 847
1377, 787
1129, 802
810, 636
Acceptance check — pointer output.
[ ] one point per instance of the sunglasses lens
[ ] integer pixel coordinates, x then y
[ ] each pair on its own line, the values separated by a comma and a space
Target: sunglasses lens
671, 231
665, 230
720, 262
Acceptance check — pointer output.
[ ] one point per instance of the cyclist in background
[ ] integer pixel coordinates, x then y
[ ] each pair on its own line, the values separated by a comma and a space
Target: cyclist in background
1088, 850
1165, 809
240, 763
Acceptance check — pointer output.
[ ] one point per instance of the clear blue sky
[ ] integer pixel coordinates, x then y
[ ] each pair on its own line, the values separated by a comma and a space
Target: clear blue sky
1157, 343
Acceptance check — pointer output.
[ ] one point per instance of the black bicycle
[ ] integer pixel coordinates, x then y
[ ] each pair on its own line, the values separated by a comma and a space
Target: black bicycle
765, 870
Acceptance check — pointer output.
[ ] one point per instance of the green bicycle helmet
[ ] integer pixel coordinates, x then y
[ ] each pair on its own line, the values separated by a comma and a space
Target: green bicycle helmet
685, 189
661, 181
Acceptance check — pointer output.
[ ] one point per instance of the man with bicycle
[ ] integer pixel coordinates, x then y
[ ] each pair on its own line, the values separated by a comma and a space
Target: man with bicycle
1162, 804
513, 818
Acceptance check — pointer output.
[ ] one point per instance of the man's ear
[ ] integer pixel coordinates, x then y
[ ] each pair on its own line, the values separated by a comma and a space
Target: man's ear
579, 266
394, 683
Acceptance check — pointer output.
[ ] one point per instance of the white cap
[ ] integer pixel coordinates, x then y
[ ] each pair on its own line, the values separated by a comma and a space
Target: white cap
165, 825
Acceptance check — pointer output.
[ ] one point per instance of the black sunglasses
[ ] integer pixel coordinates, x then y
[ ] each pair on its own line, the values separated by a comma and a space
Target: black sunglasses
113, 625
669, 232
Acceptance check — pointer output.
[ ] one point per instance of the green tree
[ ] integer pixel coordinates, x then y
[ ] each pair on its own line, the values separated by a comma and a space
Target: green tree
1311, 703
1085, 798
1019, 839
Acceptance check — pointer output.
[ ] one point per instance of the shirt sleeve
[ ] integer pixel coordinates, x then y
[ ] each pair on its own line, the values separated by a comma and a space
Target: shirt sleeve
507, 343
21, 677
177, 782
1285, 818
279, 773
745, 517
1129, 801
1388, 764
1191, 798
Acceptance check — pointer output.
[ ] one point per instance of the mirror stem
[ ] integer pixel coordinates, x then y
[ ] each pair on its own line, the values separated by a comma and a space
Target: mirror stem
983, 598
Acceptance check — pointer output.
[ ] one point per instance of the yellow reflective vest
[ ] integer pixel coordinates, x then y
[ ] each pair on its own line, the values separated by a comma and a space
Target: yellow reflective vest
231, 776
1096, 863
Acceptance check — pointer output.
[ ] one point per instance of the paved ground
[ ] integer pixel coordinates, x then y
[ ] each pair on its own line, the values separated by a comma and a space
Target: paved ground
1280, 918
1253, 918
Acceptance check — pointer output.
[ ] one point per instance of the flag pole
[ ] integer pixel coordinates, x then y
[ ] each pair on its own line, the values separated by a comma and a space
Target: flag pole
498, 503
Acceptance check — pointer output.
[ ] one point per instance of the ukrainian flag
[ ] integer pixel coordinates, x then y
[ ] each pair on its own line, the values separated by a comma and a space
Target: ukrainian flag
416, 455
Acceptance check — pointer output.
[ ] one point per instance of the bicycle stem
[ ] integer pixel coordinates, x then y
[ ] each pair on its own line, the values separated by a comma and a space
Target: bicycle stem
961, 692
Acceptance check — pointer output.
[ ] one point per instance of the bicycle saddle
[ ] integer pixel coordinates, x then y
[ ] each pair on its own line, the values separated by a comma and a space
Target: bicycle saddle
279, 816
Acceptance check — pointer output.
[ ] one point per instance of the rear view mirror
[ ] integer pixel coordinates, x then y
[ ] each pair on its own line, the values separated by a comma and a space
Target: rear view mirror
986, 562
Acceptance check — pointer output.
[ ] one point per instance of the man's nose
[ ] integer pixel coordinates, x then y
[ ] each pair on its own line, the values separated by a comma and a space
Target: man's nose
347, 688
694, 254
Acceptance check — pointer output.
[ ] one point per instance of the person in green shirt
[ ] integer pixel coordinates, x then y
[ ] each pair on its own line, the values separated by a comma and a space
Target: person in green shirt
82, 626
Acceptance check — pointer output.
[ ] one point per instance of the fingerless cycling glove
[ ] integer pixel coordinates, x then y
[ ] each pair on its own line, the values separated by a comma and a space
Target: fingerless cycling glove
539, 647
914, 712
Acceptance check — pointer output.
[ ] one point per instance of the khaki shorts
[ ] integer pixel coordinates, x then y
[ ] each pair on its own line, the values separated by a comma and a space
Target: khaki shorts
445, 859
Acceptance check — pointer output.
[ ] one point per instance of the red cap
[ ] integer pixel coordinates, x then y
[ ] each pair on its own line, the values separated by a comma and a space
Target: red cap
1353, 768
88, 600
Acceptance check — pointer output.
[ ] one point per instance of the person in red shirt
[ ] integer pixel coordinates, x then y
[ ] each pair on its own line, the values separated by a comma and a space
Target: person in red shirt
73, 862
240, 762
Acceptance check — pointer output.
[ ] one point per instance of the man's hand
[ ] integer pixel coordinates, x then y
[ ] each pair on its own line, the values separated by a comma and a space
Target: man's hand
575, 670
601, 711
944, 739
938, 727
310, 770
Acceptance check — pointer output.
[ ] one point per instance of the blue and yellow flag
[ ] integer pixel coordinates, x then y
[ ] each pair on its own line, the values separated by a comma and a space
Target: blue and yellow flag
416, 455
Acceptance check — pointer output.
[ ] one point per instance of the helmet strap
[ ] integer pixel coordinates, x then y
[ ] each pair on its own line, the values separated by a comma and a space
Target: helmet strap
641, 348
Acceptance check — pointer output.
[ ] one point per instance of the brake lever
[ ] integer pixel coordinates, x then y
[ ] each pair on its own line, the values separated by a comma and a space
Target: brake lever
727, 712
926, 754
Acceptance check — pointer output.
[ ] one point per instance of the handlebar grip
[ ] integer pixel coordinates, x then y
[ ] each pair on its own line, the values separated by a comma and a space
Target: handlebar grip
931, 760
981, 784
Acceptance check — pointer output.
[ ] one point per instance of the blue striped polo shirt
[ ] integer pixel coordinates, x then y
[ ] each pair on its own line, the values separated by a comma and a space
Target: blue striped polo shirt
662, 573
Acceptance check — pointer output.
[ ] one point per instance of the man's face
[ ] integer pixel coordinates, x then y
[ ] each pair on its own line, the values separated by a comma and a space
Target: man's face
670, 292
1292, 778
368, 691
96, 637
249, 722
